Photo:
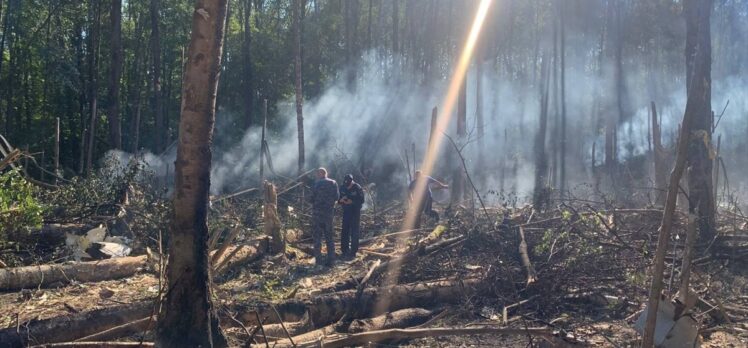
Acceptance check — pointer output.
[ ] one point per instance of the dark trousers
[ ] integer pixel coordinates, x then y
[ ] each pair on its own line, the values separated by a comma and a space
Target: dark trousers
350, 234
322, 229
426, 207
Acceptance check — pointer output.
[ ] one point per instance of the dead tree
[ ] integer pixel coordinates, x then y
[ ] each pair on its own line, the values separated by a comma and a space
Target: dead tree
697, 24
699, 79
188, 317
115, 72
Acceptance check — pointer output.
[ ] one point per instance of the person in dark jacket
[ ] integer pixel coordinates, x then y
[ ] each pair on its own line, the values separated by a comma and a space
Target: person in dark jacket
352, 199
424, 204
324, 196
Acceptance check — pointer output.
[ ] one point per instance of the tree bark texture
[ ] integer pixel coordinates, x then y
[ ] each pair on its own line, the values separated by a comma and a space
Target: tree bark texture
188, 318
699, 86
297, 8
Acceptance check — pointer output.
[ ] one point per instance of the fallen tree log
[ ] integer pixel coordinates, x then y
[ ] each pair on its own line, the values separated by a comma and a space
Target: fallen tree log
131, 328
398, 319
414, 253
44, 275
328, 308
71, 327
363, 338
96, 345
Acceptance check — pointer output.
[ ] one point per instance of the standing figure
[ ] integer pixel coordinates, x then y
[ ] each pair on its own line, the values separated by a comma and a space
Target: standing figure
324, 196
424, 204
351, 198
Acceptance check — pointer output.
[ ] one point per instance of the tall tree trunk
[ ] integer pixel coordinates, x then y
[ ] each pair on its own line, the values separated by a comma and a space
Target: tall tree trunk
93, 87
610, 120
368, 26
698, 106
246, 49
158, 128
115, 72
541, 194
188, 317
699, 79
659, 158
6, 22
458, 179
136, 87
9, 26
562, 168
395, 29
297, 8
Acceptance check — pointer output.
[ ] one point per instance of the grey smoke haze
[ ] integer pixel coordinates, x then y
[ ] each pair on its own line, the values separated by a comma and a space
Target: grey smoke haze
386, 112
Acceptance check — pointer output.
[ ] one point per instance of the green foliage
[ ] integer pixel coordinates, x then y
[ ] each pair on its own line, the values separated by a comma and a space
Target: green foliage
19, 209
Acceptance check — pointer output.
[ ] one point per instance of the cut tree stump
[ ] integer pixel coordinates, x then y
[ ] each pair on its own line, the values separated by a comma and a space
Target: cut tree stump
44, 275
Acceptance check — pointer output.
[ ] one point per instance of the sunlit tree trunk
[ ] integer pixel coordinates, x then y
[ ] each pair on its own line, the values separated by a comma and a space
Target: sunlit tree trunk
188, 318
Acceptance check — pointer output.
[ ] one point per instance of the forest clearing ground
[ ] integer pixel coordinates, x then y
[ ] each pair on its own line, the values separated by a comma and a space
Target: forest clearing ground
590, 283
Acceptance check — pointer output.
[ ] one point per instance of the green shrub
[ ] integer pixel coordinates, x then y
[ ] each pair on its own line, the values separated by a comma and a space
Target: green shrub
19, 209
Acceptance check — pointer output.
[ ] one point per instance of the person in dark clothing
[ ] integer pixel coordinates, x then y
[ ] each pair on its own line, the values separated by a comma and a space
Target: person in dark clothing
324, 196
424, 205
351, 198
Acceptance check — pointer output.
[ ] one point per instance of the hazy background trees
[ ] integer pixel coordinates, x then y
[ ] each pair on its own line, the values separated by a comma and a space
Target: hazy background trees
611, 58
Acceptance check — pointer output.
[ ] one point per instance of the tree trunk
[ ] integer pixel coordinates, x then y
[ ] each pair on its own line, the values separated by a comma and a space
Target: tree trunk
395, 28
697, 25
6, 22
46, 275
158, 128
188, 317
136, 84
562, 150
297, 8
93, 87
272, 222
248, 79
541, 194
659, 158
699, 79
458, 178
115, 132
